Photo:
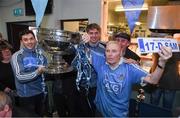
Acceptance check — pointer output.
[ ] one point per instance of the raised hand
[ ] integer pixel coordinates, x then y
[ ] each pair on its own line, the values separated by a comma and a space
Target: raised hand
41, 69
85, 38
165, 53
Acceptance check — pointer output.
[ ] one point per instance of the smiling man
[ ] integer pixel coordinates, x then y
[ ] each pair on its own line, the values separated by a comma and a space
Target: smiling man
92, 39
28, 66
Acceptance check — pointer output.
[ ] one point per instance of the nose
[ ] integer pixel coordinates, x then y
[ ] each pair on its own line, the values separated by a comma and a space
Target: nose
29, 41
93, 34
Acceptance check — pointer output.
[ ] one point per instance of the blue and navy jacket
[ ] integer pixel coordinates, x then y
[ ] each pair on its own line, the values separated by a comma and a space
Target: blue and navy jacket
25, 63
99, 47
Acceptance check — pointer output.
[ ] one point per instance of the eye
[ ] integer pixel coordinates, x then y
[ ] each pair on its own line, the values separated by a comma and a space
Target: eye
107, 50
96, 33
25, 39
90, 33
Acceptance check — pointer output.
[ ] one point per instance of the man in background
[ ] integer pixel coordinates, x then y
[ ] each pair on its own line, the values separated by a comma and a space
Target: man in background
124, 41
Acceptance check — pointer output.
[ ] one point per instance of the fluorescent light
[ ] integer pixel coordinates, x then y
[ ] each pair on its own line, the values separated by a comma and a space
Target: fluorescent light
138, 23
120, 8
110, 24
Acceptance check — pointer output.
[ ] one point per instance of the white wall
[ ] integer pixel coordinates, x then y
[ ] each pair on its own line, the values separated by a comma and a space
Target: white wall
90, 9
7, 15
62, 9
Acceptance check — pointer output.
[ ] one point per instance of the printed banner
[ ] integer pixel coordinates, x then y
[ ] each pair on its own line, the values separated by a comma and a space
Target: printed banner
132, 16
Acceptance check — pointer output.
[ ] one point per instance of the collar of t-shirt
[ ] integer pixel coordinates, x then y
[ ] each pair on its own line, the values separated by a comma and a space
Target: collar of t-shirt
93, 45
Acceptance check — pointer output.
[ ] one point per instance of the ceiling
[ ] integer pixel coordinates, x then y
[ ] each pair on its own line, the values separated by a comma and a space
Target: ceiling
114, 3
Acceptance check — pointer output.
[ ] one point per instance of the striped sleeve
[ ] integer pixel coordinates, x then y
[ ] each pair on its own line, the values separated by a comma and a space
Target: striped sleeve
137, 74
18, 68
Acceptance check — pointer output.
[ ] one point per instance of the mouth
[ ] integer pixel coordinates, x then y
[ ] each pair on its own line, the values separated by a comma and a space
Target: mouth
30, 45
109, 59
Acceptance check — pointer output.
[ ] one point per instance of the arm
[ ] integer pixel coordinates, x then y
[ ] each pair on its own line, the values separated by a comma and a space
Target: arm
19, 70
164, 54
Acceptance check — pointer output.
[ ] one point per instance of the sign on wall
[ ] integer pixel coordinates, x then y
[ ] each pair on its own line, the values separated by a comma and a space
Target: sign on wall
18, 12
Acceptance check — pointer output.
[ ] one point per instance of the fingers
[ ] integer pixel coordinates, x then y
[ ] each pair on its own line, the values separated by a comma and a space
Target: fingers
165, 53
85, 38
41, 69
7, 89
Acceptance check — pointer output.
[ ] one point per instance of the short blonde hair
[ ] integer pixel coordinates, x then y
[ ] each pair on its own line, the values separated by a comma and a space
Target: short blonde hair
112, 42
5, 100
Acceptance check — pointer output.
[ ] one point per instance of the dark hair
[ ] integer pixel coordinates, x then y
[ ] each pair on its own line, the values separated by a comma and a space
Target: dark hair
122, 35
26, 31
93, 26
4, 45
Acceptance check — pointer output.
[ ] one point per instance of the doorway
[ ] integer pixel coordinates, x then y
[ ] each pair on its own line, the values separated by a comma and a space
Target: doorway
74, 25
13, 29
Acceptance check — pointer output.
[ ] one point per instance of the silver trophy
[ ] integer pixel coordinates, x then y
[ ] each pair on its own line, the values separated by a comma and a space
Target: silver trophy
55, 42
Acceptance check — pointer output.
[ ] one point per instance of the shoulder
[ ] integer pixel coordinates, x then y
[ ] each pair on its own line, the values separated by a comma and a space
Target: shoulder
102, 44
95, 53
137, 68
130, 54
130, 51
20, 52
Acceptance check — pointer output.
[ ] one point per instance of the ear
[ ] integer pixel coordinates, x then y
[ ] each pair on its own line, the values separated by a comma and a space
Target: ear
128, 43
121, 52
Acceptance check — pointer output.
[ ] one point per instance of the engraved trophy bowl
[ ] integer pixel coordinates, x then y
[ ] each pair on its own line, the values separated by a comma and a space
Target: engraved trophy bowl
55, 42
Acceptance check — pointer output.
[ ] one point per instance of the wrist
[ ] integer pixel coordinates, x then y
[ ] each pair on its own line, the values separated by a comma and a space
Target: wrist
161, 65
